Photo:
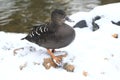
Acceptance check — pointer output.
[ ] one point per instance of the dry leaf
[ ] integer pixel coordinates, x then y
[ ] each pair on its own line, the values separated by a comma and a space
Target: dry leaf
48, 62
23, 66
85, 73
15, 50
115, 35
69, 67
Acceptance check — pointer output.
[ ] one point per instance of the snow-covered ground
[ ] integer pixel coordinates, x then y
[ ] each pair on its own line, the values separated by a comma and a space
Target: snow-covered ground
95, 54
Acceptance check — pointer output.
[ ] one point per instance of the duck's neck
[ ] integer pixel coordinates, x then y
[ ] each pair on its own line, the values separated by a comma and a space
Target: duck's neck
57, 23
57, 20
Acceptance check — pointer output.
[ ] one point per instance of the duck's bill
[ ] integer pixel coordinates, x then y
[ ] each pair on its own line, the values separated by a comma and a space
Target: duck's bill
68, 19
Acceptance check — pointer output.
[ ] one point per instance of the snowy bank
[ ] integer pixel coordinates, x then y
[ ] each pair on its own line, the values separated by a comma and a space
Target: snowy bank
95, 54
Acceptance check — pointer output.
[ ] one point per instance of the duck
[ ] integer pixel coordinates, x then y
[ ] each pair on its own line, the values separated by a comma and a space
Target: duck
53, 35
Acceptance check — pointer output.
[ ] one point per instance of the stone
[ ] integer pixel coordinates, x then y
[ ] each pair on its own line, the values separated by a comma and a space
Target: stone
81, 24
95, 25
116, 23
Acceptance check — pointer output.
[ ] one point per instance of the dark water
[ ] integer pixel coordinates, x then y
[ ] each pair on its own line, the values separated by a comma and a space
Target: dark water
109, 1
18, 15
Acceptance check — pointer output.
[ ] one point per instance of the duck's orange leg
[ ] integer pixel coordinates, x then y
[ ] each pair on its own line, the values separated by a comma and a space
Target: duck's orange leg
55, 59
53, 50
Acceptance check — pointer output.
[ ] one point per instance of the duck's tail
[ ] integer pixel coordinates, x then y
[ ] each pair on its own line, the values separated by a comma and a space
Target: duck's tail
23, 38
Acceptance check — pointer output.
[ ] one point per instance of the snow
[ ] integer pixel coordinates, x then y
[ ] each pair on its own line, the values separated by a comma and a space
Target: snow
95, 55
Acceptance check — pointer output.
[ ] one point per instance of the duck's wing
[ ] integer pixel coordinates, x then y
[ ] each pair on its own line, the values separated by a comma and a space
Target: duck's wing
37, 31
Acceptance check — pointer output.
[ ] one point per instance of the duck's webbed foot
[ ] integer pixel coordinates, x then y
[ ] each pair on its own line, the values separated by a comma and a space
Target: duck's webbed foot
56, 59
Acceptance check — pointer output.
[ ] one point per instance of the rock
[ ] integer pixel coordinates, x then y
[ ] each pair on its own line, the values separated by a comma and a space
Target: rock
68, 67
48, 62
81, 24
95, 25
116, 23
97, 18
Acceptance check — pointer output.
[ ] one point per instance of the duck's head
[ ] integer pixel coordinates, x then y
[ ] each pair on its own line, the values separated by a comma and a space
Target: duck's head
59, 16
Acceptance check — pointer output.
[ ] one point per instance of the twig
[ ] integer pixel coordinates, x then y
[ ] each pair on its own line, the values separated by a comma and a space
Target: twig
15, 50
